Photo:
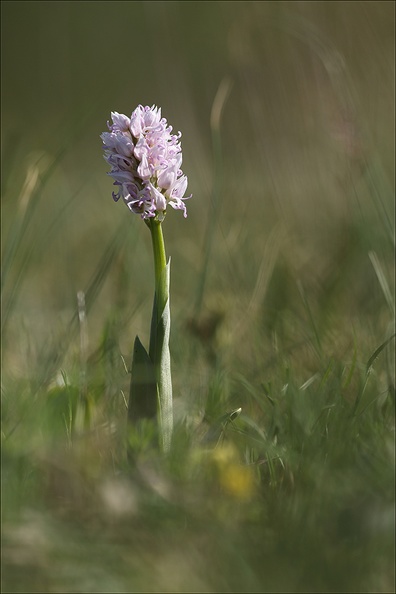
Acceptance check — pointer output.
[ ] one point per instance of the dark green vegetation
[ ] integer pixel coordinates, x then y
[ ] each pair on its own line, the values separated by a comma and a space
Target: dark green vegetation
281, 295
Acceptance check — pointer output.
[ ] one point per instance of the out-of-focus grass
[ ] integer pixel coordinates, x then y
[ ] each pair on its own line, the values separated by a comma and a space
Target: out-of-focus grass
282, 301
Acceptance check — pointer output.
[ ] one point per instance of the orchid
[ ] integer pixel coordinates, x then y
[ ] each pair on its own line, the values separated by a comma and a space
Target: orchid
145, 159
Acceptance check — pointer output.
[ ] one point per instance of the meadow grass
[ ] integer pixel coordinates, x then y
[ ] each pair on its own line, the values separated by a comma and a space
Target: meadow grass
280, 476
293, 494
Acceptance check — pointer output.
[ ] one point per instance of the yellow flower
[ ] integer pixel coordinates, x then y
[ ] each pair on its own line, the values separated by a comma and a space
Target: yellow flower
235, 478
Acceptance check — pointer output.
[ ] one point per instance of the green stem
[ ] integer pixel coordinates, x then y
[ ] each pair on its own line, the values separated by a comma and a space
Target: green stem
157, 239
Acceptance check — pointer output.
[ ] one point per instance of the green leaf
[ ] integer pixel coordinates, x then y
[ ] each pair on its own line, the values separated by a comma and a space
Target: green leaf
163, 368
160, 356
143, 390
377, 352
218, 428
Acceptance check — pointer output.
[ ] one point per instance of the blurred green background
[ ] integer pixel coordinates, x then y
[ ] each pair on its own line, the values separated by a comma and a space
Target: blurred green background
284, 264
306, 132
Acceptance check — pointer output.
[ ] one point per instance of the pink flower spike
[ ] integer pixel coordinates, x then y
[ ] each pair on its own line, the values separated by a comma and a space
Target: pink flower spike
145, 159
